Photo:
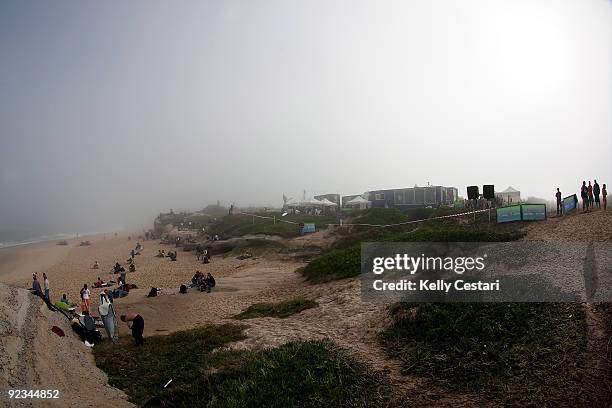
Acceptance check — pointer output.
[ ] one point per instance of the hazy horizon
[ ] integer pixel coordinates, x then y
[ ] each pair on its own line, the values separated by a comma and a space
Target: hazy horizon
113, 112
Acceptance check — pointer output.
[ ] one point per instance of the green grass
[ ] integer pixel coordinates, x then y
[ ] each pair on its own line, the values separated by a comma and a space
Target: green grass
454, 226
345, 262
182, 356
279, 310
334, 265
297, 374
519, 353
238, 225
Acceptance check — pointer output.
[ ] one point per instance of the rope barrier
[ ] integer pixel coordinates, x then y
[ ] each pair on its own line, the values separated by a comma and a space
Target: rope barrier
376, 225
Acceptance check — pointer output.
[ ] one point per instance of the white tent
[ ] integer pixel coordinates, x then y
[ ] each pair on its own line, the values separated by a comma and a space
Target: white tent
311, 202
509, 195
358, 202
328, 203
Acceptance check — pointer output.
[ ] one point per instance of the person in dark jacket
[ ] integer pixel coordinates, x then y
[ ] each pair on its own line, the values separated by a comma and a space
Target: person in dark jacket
136, 323
596, 192
584, 194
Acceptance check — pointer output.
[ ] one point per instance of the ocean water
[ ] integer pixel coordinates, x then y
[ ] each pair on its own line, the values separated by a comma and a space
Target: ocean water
16, 238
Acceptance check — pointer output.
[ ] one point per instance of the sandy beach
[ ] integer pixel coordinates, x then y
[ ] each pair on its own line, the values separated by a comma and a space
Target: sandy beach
239, 283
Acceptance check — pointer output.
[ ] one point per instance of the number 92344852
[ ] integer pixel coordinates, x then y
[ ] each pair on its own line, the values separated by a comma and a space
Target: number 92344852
33, 394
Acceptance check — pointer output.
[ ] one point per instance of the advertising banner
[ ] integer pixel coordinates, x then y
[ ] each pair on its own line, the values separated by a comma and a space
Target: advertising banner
309, 227
509, 213
569, 203
533, 212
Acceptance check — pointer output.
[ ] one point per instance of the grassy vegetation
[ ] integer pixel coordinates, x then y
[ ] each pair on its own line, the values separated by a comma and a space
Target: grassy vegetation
181, 357
519, 353
345, 262
337, 264
298, 374
278, 310
239, 225
382, 216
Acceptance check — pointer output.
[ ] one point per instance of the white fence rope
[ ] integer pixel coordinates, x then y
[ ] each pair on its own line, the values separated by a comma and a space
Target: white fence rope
375, 225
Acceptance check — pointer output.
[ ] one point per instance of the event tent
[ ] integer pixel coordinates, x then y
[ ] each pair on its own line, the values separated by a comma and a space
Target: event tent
509, 195
359, 202
328, 203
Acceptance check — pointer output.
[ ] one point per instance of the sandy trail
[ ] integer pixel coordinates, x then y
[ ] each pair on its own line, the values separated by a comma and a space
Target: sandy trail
576, 227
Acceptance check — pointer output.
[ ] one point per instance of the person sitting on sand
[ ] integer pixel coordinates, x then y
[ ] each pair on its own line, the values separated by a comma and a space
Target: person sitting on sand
136, 323
118, 268
64, 299
245, 255
96, 265
109, 294
132, 267
195, 278
98, 283
172, 255
210, 282
160, 253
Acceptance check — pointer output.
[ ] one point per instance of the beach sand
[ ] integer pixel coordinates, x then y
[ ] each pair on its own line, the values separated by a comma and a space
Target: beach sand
240, 283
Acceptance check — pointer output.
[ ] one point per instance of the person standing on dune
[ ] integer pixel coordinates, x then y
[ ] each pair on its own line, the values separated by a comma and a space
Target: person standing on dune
585, 196
36, 285
596, 192
590, 194
46, 280
604, 196
559, 202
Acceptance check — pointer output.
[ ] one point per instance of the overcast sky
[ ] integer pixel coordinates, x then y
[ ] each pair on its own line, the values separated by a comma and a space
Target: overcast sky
113, 111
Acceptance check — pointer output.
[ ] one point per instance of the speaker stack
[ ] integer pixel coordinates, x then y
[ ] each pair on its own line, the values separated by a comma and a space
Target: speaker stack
488, 191
472, 192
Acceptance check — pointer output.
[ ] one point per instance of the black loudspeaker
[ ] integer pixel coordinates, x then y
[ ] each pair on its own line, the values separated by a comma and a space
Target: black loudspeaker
472, 192
488, 191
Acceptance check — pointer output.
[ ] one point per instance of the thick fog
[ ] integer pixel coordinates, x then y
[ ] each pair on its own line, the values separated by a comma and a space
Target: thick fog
113, 111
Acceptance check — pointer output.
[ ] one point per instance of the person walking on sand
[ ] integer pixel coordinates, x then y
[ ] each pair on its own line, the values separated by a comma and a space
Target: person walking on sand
604, 196
559, 202
136, 323
590, 193
584, 194
596, 192
46, 283
85, 295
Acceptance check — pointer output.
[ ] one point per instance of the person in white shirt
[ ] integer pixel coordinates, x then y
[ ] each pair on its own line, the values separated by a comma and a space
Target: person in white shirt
85, 294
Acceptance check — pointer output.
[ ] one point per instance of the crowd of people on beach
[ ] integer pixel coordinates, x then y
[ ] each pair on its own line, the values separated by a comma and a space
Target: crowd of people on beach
112, 289
204, 283
592, 195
